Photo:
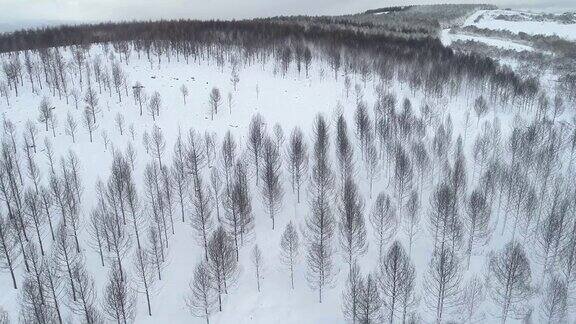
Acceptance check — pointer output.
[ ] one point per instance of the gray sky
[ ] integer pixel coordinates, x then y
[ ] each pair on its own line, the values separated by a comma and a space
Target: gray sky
23, 13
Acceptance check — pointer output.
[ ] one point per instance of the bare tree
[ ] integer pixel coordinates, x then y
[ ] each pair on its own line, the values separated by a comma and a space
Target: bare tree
83, 305
89, 123
144, 274
66, 259
442, 283
222, 262
383, 219
344, 150
46, 113
201, 217
369, 302
351, 224
119, 121
180, 177
71, 127
32, 132
412, 219
258, 263
272, 192
201, 298
214, 102
477, 221
158, 144
35, 214
184, 92
118, 240
297, 160
480, 108
139, 95
396, 277
256, 135
154, 105
216, 186
119, 302
9, 251
290, 249
91, 101
471, 299
320, 224
554, 305
352, 293
509, 280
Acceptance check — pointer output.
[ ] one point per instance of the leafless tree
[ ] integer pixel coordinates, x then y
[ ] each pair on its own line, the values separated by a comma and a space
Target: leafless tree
272, 192
384, 221
139, 95
554, 304
71, 126
158, 144
351, 224
158, 253
119, 121
477, 221
369, 302
222, 262
89, 122
35, 214
214, 102
256, 135
344, 150
117, 78
9, 251
154, 105
144, 273
480, 108
471, 299
46, 112
403, 176
201, 217
509, 280
32, 132
290, 249
297, 160
258, 263
180, 177
372, 167
396, 277
119, 302
216, 186
184, 92
84, 304
412, 219
66, 258
320, 224
352, 293
118, 240
91, 101
201, 298
442, 283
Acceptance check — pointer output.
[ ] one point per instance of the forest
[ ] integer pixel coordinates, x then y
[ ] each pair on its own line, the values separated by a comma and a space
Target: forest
291, 169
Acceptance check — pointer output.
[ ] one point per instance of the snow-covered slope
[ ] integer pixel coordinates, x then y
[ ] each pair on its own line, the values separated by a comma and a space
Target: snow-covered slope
290, 100
521, 21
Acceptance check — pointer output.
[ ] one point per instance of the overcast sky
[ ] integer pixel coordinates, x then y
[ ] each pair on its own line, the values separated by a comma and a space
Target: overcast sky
18, 13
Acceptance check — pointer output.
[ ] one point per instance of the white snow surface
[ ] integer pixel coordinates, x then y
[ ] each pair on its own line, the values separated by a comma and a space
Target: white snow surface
291, 100
487, 19
448, 38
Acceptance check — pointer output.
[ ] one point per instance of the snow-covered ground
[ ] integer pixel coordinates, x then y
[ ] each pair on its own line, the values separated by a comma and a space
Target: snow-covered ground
290, 100
525, 23
447, 38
